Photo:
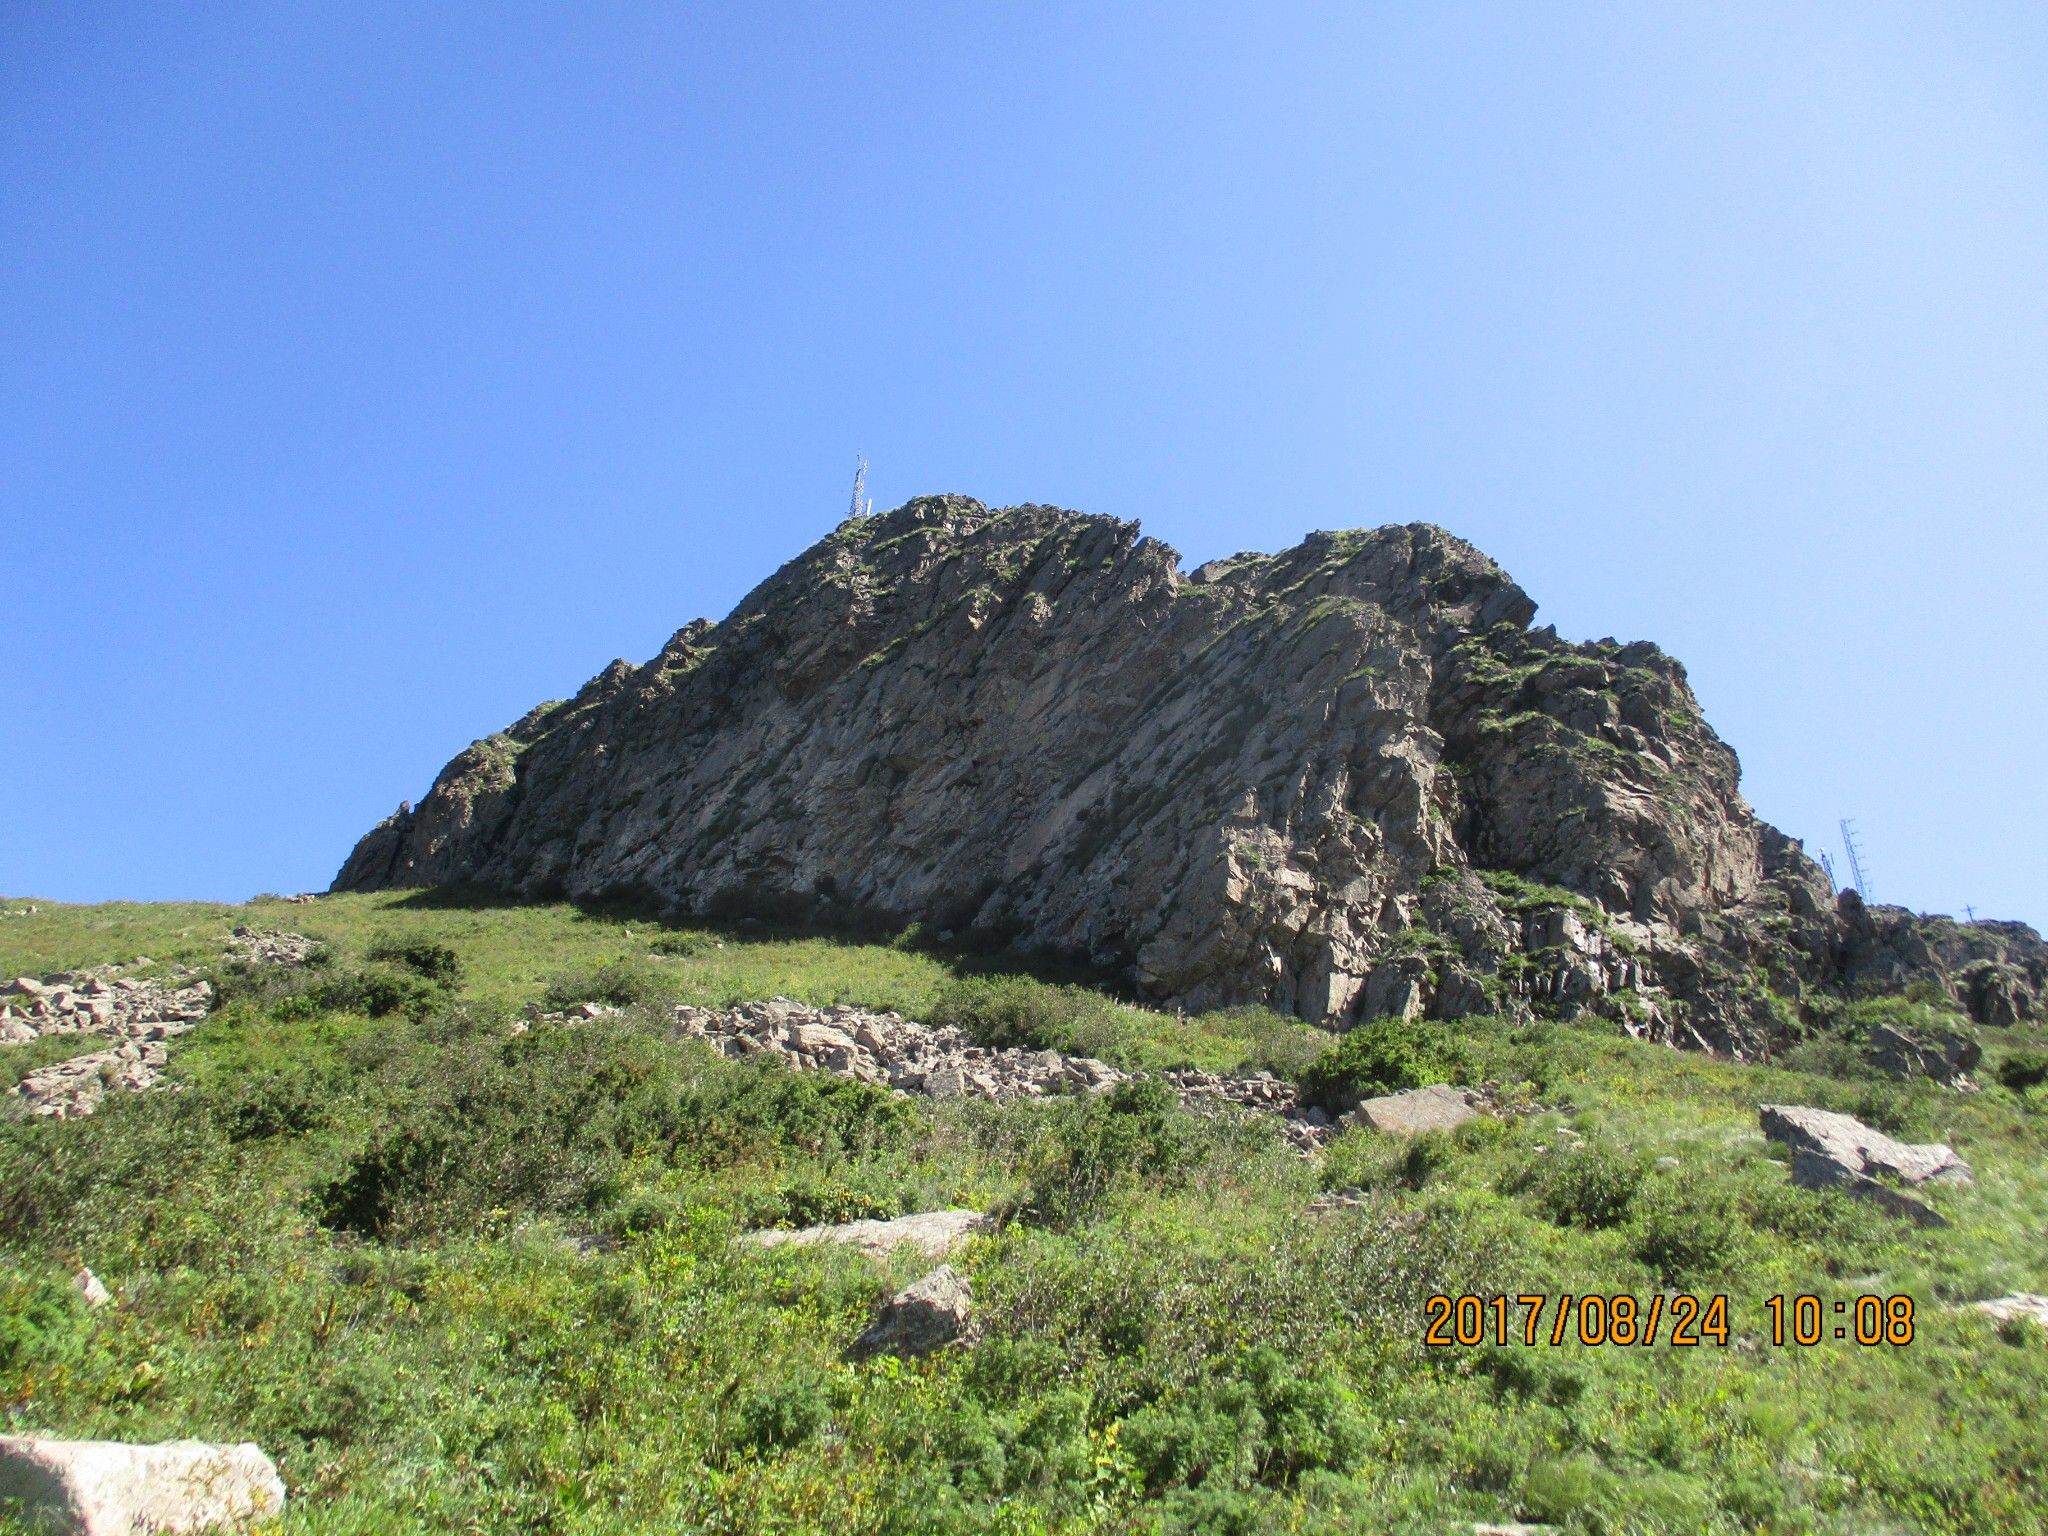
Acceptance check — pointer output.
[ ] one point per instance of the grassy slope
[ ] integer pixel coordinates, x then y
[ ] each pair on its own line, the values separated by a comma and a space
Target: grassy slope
343, 1240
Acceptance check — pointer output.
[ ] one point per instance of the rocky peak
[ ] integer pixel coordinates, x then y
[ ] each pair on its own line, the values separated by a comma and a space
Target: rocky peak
1029, 727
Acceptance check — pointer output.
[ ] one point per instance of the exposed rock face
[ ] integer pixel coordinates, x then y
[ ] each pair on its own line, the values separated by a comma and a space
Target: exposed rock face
2020, 1307
1943, 1055
1324, 780
106, 1488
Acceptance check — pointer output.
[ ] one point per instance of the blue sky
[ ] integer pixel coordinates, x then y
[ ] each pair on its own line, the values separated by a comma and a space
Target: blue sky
368, 374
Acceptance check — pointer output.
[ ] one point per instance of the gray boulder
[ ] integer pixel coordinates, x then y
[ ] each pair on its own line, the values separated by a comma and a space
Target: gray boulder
1438, 1107
1836, 1151
933, 1233
106, 1488
922, 1317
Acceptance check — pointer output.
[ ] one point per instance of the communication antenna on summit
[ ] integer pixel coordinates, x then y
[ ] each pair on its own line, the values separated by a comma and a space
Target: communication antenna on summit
1856, 875
1828, 868
861, 505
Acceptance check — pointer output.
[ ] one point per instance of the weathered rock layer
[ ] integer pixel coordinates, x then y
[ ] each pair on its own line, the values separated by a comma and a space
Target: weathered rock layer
1344, 780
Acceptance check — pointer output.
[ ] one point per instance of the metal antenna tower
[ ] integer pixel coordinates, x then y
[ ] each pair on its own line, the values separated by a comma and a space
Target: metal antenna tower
1970, 912
1828, 868
861, 505
1856, 875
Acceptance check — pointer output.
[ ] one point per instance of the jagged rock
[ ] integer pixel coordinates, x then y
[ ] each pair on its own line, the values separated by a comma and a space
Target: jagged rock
1946, 1057
106, 1488
1836, 1151
1240, 784
933, 1233
1855, 1148
921, 1317
1438, 1107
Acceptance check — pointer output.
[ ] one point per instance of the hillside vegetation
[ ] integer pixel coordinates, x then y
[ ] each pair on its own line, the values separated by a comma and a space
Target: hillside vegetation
455, 1276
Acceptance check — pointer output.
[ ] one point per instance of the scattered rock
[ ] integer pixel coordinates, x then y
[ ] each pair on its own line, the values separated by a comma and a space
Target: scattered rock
2021, 1306
1439, 1107
138, 1016
96, 1295
921, 1317
261, 946
106, 1488
942, 1063
1349, 1198
935, 1234
1836, 1151
1942, 1055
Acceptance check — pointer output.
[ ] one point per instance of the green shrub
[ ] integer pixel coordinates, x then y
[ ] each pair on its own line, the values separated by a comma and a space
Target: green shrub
276, 1102
2023, 1070
43, 1320
783, 1413
1086, 1146
1384, 1056
376, 990
1685, 1231
624, 983
550, 1121
1260, 1419
1275, 1043
435, 962
1016, 1011
1592, 1186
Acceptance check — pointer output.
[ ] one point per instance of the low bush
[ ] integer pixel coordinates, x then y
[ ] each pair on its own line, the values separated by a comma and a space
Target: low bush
1384, 1056
1687, 1232
2023, 1070
1006, 1011
624, 983
1274, 1043
1087, 1146
435, 962
1592, 1186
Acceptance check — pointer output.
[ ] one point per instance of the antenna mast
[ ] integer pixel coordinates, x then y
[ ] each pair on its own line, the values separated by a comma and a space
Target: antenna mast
860, 506
1856, 875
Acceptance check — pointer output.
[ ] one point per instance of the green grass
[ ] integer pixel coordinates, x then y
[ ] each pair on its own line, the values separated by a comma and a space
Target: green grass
344, 1239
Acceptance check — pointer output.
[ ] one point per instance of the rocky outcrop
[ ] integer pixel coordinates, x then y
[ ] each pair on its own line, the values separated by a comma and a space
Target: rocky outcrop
1837, 1151
270, 946
1346, 780
106, 1488
2020, 1307
1946, 1056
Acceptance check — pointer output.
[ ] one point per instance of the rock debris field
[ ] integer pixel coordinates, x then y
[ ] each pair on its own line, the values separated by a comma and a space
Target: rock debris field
891, 1051
136, 1015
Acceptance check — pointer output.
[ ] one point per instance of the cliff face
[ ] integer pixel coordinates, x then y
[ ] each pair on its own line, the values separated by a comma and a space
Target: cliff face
1344, 779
